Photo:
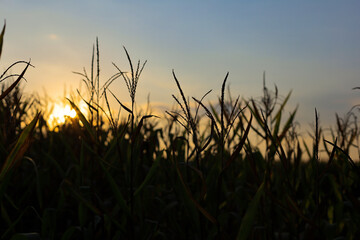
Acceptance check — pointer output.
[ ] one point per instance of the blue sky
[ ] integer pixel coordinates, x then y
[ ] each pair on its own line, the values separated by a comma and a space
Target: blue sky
310, 47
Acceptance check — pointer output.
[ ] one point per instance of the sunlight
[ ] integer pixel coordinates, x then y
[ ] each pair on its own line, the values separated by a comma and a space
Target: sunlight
59, 115
61, 112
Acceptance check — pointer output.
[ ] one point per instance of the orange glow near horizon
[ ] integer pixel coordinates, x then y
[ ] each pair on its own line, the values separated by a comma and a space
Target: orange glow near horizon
59, 115
61, 112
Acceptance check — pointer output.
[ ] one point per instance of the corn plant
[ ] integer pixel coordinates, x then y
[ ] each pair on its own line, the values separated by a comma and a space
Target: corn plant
199, 172
15, 139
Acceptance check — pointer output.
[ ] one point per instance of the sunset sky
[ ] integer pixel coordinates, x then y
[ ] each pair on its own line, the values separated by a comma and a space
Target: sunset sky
310, 47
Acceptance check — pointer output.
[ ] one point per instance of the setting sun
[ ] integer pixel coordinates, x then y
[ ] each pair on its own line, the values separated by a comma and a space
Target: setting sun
60, 113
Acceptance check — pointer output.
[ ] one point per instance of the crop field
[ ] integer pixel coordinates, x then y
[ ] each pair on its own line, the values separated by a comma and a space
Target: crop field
193, 172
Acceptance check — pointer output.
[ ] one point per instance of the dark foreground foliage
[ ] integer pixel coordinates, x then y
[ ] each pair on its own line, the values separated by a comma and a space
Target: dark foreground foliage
199, 176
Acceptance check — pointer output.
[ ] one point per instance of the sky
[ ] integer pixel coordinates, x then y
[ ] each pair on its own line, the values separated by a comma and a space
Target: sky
309, 47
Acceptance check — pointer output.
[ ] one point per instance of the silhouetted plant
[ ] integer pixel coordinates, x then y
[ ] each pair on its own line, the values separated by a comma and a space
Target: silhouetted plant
201, 174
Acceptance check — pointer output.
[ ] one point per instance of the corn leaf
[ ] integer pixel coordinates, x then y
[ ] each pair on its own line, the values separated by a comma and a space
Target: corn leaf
307, 149
81, 199
215, 114
2, 38
288, 124
38, 182
6, 234
282, 106
255, 111
240, 145
277, 124
248, 220
122, 105
197, 205
5, 217
115, 189
20, 148
351, 162
294, 208
149, 176
137, 131
13, 85
68, 234
83, 120
57, 166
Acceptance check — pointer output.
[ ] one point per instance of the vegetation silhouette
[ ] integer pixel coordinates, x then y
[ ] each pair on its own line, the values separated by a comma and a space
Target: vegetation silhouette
199, 176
